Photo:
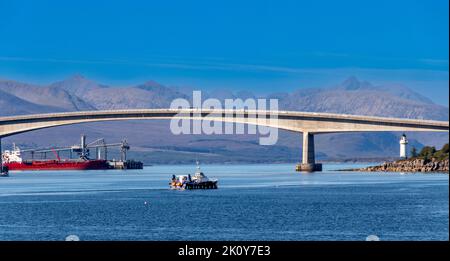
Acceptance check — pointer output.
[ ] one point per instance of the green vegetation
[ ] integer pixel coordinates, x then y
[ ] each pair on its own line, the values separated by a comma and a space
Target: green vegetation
429, 152
413, 152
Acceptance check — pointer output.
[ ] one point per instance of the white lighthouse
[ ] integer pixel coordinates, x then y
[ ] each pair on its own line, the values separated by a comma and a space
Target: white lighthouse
403, 143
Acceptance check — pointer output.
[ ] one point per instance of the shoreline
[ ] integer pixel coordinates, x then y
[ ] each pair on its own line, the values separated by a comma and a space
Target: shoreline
409, 165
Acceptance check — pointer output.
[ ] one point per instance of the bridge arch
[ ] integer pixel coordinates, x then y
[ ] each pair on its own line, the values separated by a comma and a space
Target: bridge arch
308, 123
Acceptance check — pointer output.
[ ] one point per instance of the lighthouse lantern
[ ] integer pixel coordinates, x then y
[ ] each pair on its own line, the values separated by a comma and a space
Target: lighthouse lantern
403, 143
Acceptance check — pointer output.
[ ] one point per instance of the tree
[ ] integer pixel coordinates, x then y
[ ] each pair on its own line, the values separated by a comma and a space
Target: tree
442, 153
445, 148
427, 152
413, 152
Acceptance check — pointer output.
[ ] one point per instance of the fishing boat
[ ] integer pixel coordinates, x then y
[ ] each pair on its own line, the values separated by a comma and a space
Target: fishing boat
198, 181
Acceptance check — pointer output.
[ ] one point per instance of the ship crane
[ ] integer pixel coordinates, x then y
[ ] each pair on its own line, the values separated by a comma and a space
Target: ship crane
100, 144
124, 147
83, 149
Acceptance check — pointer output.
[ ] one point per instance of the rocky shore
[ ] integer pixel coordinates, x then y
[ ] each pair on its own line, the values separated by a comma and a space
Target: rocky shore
411, 165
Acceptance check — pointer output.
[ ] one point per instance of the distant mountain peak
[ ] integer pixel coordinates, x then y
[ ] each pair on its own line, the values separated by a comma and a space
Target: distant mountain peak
79, 81
77, 85
151, 85
77, 78
353, 83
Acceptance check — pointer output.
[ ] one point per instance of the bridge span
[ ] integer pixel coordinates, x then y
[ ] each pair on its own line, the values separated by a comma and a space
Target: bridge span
307, 123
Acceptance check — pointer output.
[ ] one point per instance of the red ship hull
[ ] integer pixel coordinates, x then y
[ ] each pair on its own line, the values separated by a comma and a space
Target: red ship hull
58, 165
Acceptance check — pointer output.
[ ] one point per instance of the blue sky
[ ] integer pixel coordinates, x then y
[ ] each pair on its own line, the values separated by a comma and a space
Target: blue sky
263, 46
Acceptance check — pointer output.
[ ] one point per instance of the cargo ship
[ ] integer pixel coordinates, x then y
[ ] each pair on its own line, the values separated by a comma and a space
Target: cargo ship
12, 161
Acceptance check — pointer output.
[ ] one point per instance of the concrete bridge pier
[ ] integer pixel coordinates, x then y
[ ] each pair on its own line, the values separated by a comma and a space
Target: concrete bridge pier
308, 155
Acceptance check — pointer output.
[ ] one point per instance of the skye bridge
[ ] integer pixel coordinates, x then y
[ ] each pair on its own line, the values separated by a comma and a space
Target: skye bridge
307, 123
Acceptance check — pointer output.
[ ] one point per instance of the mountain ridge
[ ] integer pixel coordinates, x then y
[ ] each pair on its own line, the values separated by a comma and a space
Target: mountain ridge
157, 144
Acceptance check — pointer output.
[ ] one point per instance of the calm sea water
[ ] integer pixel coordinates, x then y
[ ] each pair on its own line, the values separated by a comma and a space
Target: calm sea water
253, 202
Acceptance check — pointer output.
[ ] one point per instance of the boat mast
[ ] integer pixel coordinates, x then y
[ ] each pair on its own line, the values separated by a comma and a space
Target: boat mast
198, 166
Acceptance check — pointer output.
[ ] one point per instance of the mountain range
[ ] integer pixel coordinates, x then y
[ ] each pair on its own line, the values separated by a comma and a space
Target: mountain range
153, 142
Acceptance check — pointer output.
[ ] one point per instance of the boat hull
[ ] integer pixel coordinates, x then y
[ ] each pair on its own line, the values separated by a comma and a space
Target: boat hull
195, 185
57, 165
